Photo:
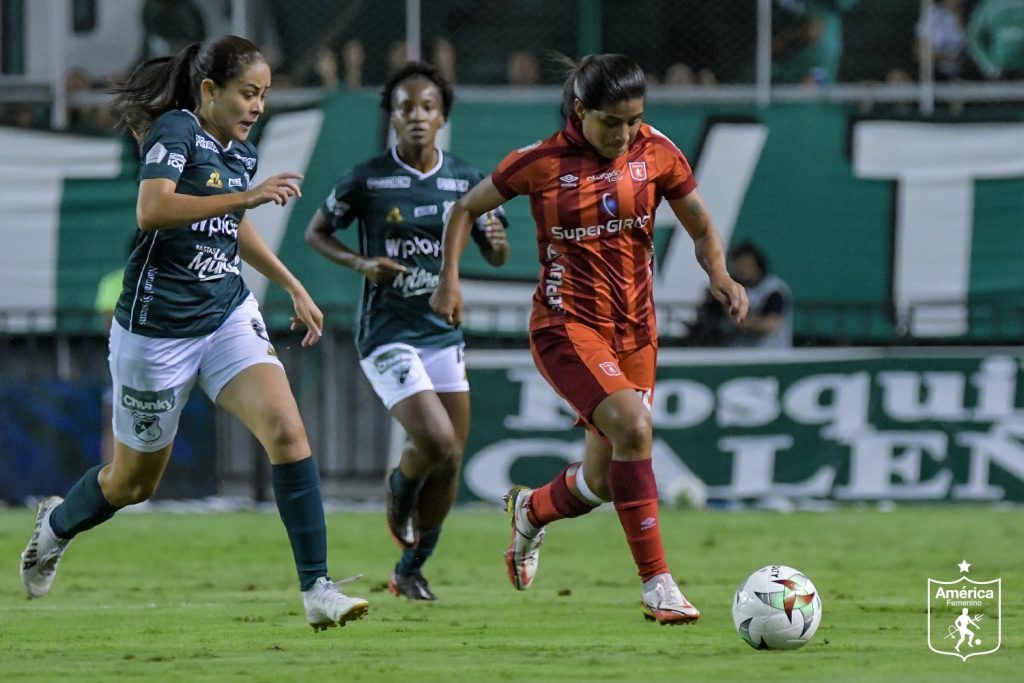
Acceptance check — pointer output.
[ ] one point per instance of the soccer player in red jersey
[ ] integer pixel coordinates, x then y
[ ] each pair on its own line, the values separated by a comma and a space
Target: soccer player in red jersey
594, 187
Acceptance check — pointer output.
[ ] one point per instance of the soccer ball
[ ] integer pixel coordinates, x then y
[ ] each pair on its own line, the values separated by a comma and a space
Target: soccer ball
776, 608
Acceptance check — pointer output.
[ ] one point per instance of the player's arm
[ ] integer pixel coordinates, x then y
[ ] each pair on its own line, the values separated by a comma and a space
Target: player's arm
693, 214
257, 254
446, 300
377, 269
159, 207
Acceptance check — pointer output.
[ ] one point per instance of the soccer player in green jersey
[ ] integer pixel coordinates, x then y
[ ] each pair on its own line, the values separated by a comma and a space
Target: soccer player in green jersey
413, 359
185, 315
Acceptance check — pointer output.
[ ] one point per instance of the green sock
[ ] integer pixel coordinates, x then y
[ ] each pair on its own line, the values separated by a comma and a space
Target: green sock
83, 508
413, 559
297, 491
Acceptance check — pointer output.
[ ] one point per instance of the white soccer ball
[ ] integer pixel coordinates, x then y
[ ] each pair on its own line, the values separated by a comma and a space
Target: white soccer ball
776, 608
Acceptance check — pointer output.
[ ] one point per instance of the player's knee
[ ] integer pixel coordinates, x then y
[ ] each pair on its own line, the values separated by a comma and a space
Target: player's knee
439, 445
285, 434
632, 435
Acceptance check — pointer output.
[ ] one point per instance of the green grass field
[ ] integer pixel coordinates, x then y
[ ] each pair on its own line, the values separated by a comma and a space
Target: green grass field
164, 597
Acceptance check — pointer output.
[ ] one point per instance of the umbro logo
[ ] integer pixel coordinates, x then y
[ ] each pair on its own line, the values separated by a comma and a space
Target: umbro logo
648, 523
569, 180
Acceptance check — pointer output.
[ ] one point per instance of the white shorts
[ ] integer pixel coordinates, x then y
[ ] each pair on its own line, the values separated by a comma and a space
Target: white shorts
397, 371
152, 376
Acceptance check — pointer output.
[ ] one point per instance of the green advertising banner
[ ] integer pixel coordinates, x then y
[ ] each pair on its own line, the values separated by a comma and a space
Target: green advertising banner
844, 425
883, 227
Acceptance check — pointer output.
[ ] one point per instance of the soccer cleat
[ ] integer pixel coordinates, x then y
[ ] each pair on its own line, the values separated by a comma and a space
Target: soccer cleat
327, 606
523, 554
414, 587
664, 603
400, 521
44, 550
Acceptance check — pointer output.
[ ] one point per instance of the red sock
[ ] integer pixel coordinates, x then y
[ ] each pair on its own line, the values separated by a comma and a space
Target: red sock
555, 501
635, 494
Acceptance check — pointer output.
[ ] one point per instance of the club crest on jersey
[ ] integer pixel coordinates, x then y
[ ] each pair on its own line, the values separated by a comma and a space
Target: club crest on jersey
394, 215
638, 170
215, 181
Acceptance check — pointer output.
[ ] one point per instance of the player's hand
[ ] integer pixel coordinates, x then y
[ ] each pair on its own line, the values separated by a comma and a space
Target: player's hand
307, 314
278, 189
446, 302
731, 295
381, 270
494, 231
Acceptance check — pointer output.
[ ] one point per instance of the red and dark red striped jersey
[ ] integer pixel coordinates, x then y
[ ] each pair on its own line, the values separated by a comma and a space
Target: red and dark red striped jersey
595, 228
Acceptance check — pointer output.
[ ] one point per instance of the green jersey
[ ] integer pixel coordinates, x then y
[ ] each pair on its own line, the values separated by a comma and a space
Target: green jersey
401, 214
185, 281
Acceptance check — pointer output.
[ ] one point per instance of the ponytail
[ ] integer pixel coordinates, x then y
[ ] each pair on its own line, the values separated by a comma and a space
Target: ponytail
600, 80
154, 87
165, 83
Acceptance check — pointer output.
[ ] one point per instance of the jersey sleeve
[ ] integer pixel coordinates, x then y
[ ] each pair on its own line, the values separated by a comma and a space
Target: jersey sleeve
167, 148
518, 172
674, 177
344, 203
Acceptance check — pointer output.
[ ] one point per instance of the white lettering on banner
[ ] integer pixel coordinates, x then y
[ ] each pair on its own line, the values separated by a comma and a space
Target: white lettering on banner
846, 412
944, 391
748, 402
681, 403
913, 463
539, 406
935, 166
1004, 446
753, 468
876, 458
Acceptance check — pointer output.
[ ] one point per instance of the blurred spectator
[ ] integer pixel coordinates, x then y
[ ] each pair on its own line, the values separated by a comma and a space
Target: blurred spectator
443, 58
326, 68
770, 320
353, 56
996, 38
168, 26
944, 36
807, 40
522, 68
84, 117
397, 57
682, 74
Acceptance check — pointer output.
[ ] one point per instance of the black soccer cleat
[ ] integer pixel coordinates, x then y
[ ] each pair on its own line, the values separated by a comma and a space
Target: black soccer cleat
414, 587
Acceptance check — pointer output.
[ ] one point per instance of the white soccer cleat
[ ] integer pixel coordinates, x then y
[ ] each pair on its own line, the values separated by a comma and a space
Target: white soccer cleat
523, 554
43, 552
327, 606
662, 602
